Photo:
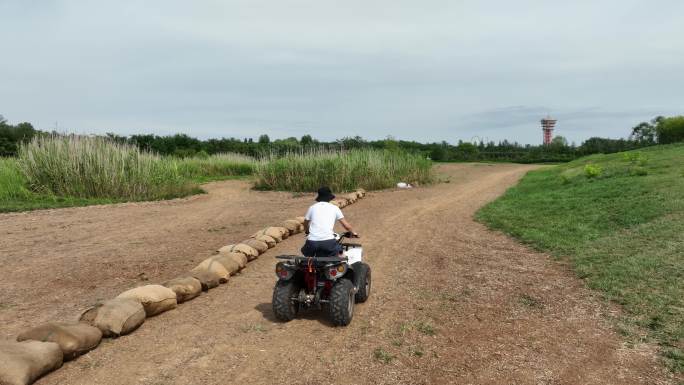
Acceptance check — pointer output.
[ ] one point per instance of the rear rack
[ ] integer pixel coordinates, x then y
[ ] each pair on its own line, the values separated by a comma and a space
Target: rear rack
315, 259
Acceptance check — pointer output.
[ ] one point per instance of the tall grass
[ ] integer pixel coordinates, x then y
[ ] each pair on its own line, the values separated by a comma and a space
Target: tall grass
12, 181
217, 166
342, 170
95, 167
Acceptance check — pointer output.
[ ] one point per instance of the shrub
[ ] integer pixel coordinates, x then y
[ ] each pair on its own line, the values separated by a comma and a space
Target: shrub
343, 170
96, 167
670, 130
635, 157
592, 171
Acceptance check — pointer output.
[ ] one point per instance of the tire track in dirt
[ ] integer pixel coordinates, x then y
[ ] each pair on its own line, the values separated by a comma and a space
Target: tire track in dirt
452, 302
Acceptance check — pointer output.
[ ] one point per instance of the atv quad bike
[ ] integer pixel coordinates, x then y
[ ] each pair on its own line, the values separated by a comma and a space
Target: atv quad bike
331, 282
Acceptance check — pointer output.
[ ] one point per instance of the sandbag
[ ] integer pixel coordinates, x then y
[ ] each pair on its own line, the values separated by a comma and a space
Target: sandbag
208, 279
155, 299
272, 232
292, 226
116, 317
186, 288
284, 233
247, 250
239, 258
214, 268
21, 363
229, 262
259, 246
73, 339
340, 202
266, 239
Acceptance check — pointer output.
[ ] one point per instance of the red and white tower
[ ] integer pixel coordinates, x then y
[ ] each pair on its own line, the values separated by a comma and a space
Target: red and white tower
547, 126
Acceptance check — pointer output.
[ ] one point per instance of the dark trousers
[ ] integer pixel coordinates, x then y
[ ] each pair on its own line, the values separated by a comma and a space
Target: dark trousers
327, 248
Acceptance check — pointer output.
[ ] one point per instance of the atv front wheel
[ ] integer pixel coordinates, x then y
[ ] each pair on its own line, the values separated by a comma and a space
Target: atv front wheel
341, 306
285, 307
364, 282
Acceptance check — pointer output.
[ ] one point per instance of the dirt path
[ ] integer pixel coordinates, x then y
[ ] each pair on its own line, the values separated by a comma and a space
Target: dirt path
452, 302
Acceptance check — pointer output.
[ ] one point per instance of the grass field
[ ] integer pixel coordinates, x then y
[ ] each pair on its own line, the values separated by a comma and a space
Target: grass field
55, 172
343, 170
216, 167
620, 219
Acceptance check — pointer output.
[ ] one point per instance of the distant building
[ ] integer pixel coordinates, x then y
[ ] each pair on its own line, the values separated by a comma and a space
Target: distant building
547, 127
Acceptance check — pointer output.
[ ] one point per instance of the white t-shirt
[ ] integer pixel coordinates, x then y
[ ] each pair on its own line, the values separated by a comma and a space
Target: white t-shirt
322, 217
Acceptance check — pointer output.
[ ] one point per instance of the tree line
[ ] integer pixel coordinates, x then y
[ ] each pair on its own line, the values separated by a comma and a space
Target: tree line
660, 130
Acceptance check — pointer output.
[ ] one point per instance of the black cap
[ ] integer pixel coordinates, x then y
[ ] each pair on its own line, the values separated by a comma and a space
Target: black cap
324, 194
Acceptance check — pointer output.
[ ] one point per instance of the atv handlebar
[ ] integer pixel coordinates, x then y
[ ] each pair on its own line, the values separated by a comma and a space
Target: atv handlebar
349, 234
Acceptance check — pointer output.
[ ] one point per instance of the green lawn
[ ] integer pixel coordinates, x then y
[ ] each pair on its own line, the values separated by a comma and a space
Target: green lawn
620, 219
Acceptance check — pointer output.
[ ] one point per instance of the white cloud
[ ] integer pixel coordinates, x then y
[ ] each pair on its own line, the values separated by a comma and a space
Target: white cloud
416, 70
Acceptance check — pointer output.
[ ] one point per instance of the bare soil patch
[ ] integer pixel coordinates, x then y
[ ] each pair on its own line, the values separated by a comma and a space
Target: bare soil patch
452, 302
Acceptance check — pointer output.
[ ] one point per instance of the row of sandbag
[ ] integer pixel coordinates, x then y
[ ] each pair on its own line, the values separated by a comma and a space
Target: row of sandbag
42, 349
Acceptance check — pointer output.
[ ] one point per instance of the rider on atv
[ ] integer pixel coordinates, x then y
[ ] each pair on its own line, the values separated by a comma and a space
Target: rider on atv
319, 223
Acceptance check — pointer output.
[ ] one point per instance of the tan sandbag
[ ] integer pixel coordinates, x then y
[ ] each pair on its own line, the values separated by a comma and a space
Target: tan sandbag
300, 220
340, 202
271, 232
155, 299
293, 226
259, 246
22, 363
213, 267
208, 279
186, 288
284, 233
266, 239
239, 258
229, 262
74, 339
116, 317
247, 250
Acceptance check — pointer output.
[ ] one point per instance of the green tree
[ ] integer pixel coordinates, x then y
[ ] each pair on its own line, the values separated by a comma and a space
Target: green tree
670, 130
264, 139
306, 140
559, 141
644, 133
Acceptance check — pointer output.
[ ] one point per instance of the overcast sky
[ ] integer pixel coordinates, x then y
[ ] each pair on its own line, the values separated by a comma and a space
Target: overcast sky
420, 70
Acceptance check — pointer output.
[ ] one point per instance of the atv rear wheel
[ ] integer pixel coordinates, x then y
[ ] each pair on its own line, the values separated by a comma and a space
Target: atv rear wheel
341, 306
285, 307
364, 282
